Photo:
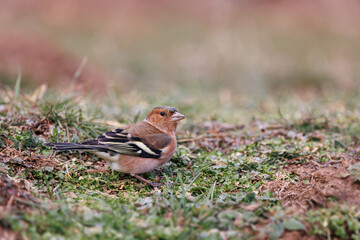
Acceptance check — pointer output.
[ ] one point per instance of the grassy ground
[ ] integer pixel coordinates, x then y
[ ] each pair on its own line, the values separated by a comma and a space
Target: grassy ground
269, 148
287, 169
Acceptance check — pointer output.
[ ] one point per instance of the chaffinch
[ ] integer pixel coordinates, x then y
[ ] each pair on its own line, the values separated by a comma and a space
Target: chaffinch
137, 148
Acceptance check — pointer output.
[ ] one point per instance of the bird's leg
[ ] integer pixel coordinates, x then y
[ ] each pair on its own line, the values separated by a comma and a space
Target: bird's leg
146, 181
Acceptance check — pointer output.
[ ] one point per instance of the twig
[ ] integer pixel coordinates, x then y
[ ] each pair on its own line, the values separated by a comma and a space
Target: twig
54, 190
315, 163
9, 203
212, 192
203, 136
1, 169
192, 139
78, 72
95, 170
27, 202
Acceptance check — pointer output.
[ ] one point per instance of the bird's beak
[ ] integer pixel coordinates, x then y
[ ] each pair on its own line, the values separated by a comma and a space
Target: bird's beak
177, 117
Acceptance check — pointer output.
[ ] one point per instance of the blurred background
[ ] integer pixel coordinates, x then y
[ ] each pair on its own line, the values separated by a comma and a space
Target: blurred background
223, 50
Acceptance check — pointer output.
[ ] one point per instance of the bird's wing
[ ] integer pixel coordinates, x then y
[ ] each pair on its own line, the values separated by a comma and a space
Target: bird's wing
140, 139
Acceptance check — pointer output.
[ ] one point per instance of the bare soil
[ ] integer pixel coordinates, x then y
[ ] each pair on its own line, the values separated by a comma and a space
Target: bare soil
316, 183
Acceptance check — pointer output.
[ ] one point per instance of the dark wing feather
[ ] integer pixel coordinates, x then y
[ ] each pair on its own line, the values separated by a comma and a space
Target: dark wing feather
147, 143
159, 141
140, 139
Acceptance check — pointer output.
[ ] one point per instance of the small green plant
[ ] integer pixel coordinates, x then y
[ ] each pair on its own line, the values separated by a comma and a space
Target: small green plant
355, 171
340, 221
66, 114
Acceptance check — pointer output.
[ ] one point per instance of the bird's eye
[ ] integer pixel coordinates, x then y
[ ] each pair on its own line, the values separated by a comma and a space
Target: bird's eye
162, 113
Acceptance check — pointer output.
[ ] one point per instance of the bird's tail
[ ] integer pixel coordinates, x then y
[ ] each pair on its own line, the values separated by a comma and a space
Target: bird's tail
68, 146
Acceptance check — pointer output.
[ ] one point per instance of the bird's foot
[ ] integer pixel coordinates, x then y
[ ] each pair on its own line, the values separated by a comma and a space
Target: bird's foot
147, 181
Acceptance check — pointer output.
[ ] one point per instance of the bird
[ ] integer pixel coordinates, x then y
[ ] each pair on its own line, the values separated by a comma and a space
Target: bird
136, 148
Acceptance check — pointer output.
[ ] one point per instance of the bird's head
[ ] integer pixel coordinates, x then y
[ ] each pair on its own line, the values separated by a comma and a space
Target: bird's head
165, 118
